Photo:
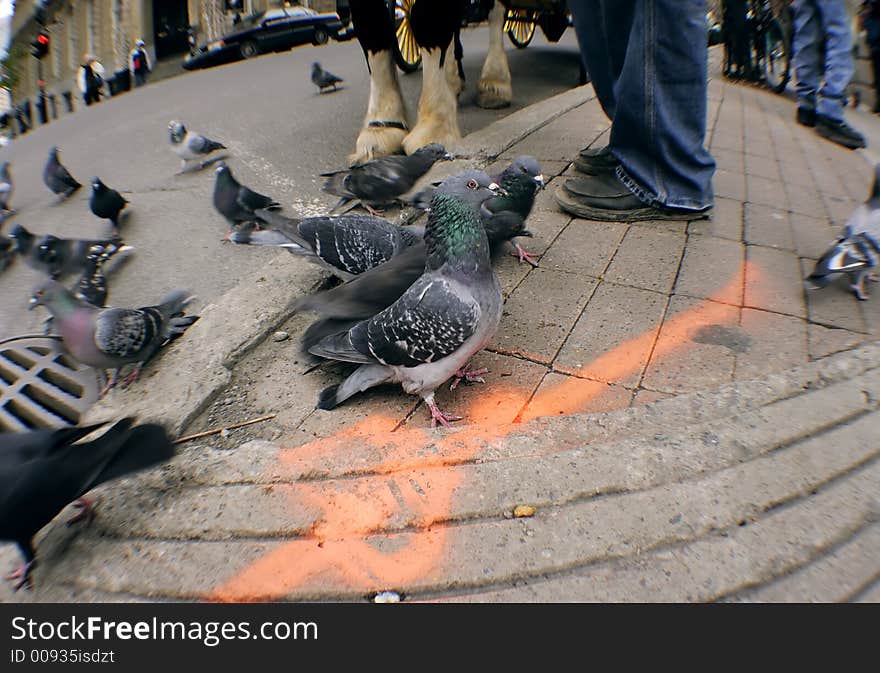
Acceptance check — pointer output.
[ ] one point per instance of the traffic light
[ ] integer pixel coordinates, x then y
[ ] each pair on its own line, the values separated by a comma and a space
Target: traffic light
40, 45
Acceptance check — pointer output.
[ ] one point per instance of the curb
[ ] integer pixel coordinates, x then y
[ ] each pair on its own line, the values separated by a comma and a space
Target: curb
194, 371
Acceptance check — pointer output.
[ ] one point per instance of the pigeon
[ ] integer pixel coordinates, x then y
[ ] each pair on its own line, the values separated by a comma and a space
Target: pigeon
57, 178
41, 471
6, 188
106, 203
236, 202
323, 79
345, 245
381, 181
856, 252
445, 317
58, 257
92, 285
190, 146
521, 180
7, 252
109, 338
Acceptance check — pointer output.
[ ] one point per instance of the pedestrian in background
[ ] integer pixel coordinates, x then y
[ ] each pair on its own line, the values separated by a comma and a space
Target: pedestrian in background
139, 63
90, 79
869, 16
648, 61
823, 63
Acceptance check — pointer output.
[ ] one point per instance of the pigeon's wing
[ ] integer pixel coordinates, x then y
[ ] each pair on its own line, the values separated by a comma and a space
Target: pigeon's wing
429, 322
200, 145
351, 243
61, 176
125, 333
253, 200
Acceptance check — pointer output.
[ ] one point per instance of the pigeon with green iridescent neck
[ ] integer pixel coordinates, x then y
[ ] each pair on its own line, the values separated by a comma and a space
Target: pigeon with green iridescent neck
445, 317
110, 338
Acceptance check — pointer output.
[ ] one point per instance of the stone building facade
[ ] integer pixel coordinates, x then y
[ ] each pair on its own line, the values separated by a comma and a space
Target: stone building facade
109, 29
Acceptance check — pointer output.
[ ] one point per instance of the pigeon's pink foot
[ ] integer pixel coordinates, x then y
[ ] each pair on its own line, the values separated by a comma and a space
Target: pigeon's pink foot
22, 574
86, 511
375, 212
131, 378
874, 278
468, 376
109, 383
523, 255
438, 416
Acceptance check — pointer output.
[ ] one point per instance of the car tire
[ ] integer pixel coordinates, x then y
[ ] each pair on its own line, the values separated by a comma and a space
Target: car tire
249, 49
321, 36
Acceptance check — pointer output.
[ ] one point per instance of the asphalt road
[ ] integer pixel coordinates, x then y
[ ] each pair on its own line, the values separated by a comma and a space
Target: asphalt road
281, 134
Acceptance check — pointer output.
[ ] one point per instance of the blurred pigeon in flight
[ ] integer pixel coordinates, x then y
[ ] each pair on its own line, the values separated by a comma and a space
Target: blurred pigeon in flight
59, 257
41, 471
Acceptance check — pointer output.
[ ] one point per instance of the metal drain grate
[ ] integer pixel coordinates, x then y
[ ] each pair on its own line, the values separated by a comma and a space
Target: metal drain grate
41, 386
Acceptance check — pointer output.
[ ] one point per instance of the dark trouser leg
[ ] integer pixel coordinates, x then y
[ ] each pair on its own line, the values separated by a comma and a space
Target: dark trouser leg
875, 63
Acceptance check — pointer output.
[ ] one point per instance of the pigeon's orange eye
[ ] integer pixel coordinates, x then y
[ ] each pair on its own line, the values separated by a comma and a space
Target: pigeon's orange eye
472, 184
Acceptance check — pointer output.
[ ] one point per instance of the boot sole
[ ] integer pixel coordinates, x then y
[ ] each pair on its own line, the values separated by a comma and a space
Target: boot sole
579, 209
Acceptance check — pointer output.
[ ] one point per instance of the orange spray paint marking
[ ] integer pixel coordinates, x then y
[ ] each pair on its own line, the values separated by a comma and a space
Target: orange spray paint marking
404, 482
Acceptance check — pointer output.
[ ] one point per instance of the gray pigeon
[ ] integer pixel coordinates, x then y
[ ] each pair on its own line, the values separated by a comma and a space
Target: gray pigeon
443, 319
190, 146
323, 79
57, 177
59, 257
6, 188
236, 202
106, 203
856, 252
379, 182
109, 338
92, 284
41, 471
345, 245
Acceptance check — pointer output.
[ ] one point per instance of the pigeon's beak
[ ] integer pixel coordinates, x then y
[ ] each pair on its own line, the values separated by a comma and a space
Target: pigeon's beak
496, 189
448, 157
540, 180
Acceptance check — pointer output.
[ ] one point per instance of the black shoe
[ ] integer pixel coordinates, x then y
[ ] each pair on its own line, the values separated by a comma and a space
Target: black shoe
839, 132
806, 116
604, 197
595, 161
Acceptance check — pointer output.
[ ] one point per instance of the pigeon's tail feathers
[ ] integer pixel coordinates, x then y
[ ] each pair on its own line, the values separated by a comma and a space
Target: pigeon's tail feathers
178, 325
265, 237
335, 184
339, 347
321, 329
361, 379
137, 449
213, 145
276, 221
174, 303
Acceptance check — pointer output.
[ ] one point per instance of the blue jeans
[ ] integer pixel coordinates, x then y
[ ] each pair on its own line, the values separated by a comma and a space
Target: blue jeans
822, 55
648, 61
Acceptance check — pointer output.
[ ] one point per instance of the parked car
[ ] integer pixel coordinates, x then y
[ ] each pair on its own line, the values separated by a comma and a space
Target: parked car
272, 31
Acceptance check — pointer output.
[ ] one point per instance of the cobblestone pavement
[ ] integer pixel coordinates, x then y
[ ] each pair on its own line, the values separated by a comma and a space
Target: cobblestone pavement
688, 423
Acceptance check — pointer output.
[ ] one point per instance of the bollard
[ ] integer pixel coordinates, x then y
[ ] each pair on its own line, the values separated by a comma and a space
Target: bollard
68, 100
53, 110
41, 109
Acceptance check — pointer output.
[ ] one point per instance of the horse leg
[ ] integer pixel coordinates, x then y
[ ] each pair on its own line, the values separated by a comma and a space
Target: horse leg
494, 89
385, 123
434, 23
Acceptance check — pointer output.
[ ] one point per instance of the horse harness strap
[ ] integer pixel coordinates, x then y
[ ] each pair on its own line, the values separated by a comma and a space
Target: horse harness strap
388, 125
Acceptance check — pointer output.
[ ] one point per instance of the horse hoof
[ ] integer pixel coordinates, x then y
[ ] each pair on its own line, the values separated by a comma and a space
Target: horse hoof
493, 94
376, 142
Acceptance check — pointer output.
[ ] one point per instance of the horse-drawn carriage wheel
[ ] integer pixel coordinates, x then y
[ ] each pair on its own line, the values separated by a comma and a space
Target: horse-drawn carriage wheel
406, 51
519, 24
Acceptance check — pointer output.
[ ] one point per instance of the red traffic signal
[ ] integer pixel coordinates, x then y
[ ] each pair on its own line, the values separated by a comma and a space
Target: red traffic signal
40, 45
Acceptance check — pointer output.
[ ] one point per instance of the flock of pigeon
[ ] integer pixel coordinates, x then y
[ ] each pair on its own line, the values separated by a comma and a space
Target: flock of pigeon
416, 302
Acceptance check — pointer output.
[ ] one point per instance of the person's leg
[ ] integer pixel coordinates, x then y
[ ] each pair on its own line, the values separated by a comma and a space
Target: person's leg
875, 63
658, 134
807, 57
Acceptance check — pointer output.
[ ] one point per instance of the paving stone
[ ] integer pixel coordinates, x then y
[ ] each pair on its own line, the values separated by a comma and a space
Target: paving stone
767, 192
644, 396
871, 309
773, 281
767, 226
726, 220
824, 341
647, 259
812, 237
776, 342
805, 200
729, 160
839, 209
562, 139
712, 268
726, 139
764, 167
730, 185
833, 306
614, 336
541, 312
694, 346
567, 252
559, 395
